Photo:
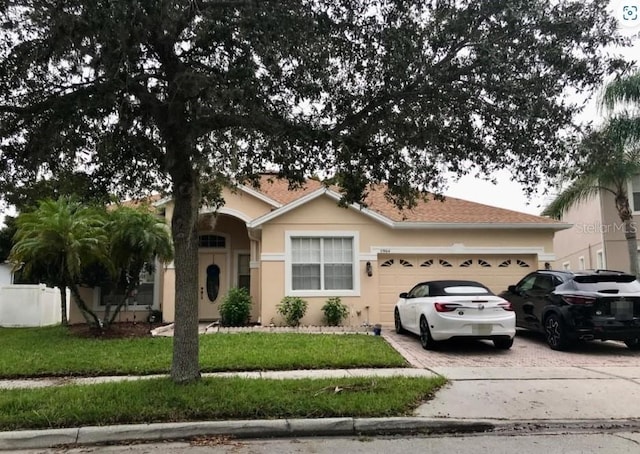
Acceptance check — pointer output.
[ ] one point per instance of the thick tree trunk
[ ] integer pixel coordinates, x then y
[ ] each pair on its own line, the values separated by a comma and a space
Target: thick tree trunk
630, 234
63, 306
185, 366
89, 316
632, 246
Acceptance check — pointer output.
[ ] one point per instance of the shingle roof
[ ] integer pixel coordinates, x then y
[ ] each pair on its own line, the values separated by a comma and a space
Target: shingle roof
278, 189
451, 210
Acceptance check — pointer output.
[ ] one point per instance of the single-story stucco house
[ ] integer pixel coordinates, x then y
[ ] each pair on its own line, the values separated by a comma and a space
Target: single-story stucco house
279, 242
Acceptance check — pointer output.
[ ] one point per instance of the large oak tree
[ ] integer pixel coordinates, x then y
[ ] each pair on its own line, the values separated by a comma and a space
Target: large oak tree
148, 93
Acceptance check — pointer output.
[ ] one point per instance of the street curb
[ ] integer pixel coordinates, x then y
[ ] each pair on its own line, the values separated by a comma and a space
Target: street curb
281, 428
94, 435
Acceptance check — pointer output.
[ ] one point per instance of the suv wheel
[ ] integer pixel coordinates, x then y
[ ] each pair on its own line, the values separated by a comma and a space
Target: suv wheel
555, 332
633, 344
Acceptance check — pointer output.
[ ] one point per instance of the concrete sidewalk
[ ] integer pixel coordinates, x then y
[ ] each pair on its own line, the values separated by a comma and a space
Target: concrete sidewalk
274, 375
477, 399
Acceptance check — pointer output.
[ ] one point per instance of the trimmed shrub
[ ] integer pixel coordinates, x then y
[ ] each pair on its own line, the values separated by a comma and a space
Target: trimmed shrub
235, 308
334, 311
292, 309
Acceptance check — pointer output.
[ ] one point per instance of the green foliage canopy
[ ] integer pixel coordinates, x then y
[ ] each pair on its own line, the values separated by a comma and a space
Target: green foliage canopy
376, 90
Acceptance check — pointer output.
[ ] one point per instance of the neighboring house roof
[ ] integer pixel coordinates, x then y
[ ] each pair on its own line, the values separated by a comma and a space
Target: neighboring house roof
450, 211
152, 200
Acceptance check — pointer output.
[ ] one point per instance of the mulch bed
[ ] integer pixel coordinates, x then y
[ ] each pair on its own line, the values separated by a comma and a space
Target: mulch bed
120, 330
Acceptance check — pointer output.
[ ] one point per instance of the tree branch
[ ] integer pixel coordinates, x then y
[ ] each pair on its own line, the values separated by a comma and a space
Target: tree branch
55, 99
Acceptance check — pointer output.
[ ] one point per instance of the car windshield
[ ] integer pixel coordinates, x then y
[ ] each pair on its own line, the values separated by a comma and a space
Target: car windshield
460, 290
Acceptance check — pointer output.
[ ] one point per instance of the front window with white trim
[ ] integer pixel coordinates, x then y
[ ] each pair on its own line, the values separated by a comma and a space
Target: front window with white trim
143, 295
581, 264
322, 263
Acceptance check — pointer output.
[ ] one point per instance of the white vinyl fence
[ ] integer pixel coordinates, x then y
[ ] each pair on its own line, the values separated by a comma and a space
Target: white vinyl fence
30, 305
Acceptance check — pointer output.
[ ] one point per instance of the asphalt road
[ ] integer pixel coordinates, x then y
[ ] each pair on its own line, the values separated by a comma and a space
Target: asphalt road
556, 443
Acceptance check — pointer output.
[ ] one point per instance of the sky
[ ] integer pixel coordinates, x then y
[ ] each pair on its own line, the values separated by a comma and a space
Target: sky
505, 194
509, 194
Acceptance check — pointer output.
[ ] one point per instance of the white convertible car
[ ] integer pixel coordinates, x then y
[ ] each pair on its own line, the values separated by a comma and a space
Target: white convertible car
441, 310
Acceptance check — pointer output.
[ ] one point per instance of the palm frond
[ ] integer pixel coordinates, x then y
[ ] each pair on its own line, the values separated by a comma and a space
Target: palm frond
580, 190
622, 90
624, 128
59, 234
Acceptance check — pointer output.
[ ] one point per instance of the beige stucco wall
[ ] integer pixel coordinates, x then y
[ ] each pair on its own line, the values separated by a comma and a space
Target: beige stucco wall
597, 227
584, 238
238, 202
89, 296
614, 240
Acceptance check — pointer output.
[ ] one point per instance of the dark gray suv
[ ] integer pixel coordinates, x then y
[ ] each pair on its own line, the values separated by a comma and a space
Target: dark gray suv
571, 306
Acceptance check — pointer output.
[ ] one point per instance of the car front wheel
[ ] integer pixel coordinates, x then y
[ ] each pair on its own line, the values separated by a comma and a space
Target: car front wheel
397, 322
633, 344
503, 343
425, 335
555, 333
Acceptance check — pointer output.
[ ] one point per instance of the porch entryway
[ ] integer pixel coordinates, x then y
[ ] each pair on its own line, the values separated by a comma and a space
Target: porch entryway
224, 258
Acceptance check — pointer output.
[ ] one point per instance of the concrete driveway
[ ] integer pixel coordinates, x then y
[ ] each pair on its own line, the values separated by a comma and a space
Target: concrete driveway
596, 381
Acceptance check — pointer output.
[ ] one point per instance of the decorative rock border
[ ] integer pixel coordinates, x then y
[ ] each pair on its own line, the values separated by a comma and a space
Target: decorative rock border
213, 328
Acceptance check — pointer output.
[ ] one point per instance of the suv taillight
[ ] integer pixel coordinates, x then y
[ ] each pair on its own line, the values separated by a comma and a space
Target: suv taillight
506, 306
581, 300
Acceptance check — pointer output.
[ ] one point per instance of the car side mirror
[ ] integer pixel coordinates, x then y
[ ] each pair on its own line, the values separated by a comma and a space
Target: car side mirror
404, 295
512, 289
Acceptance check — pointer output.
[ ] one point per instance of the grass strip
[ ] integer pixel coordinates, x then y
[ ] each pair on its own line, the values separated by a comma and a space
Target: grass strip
53, 351
160, 400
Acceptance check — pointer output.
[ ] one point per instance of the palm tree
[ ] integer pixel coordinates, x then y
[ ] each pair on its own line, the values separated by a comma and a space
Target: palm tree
56, 241
613, 158
136, 238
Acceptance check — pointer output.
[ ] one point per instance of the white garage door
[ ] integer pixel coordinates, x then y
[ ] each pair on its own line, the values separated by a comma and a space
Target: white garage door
399, 273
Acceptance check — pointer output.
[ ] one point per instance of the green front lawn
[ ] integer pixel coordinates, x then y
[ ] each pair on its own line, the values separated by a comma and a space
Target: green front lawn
53, 351
160, 400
